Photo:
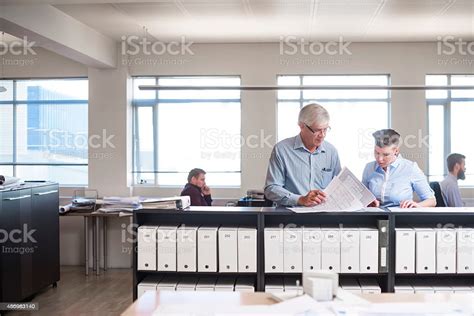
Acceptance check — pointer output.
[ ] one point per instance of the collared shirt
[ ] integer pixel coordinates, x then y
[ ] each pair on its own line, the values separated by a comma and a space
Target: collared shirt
397, 184
450, 191
293, 170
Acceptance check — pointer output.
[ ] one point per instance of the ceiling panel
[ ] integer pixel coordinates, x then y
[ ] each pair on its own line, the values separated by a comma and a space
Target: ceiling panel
151, 12
216, 10
285, 9
344, 18
267, 20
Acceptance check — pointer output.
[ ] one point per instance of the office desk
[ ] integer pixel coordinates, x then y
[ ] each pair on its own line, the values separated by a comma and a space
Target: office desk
151, 300
96, 220
418, 298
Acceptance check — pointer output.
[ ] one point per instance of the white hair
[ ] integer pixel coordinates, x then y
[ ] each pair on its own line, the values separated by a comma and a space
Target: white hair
313, 113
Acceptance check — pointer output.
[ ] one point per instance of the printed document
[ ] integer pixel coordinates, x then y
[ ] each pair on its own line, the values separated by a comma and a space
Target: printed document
344, 193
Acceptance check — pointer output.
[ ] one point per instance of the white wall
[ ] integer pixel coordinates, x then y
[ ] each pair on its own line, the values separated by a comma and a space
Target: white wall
257, 64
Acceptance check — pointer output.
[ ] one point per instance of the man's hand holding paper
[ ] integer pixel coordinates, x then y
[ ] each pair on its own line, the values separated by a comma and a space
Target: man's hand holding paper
314, 197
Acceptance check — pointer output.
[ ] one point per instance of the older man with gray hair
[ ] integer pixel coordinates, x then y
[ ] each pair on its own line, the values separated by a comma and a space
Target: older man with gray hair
301, 167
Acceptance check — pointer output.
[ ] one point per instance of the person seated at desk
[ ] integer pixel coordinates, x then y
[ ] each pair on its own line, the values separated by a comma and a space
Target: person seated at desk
449, 186
393, 179
302, 166
197, 189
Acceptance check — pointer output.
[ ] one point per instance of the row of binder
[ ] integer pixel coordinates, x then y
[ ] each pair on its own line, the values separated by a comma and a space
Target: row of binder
345, 250
424, 250
360, 286
423, 286
191, 248
290, 285
189, 283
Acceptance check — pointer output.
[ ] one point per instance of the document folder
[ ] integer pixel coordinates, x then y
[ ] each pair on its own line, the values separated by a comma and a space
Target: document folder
404, 250
369, 250
167, 248
186, 248
293, 248
247, 249
445, 250
273, 243
312, 239
146, 248
465, 250
331, 249
425, 250
207, 249
227, 240
350, 250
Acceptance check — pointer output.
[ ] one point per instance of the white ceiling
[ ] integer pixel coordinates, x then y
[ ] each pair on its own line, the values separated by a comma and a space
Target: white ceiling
240, 21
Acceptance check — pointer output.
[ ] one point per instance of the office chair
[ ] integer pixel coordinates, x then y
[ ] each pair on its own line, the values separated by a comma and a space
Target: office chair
438, 195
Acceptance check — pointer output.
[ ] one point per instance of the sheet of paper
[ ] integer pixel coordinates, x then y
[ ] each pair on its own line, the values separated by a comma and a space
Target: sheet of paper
345, 193
303, 304
414, 309
358, 190
399, 309
208, 309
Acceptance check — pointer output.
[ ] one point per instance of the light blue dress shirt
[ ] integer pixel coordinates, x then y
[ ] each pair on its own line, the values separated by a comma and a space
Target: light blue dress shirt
450, 191
293, 170
403, 177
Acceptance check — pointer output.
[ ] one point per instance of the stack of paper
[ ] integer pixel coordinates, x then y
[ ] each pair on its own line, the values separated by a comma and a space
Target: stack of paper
120, 204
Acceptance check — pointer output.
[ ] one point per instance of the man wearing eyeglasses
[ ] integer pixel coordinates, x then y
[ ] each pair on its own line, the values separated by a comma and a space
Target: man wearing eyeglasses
301, 167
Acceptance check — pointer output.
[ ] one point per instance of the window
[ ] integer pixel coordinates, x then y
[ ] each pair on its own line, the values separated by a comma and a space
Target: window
355, 114
450, 114
43, 130
178, 130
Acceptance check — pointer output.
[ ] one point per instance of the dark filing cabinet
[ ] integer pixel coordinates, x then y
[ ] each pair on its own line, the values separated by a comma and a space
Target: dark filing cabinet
29, 240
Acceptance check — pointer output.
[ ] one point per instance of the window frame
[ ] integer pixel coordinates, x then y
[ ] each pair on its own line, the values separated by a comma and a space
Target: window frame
447, 131
14, 102
304, 101
154, 103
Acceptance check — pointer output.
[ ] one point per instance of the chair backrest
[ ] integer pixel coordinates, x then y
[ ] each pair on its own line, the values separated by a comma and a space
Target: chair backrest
438, 195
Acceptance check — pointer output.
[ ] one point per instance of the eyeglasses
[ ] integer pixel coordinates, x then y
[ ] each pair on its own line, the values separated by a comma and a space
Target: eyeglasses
318, 130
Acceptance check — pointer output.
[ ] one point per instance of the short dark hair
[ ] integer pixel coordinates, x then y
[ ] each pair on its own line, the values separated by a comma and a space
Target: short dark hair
386, 137
453, 159
195, 173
